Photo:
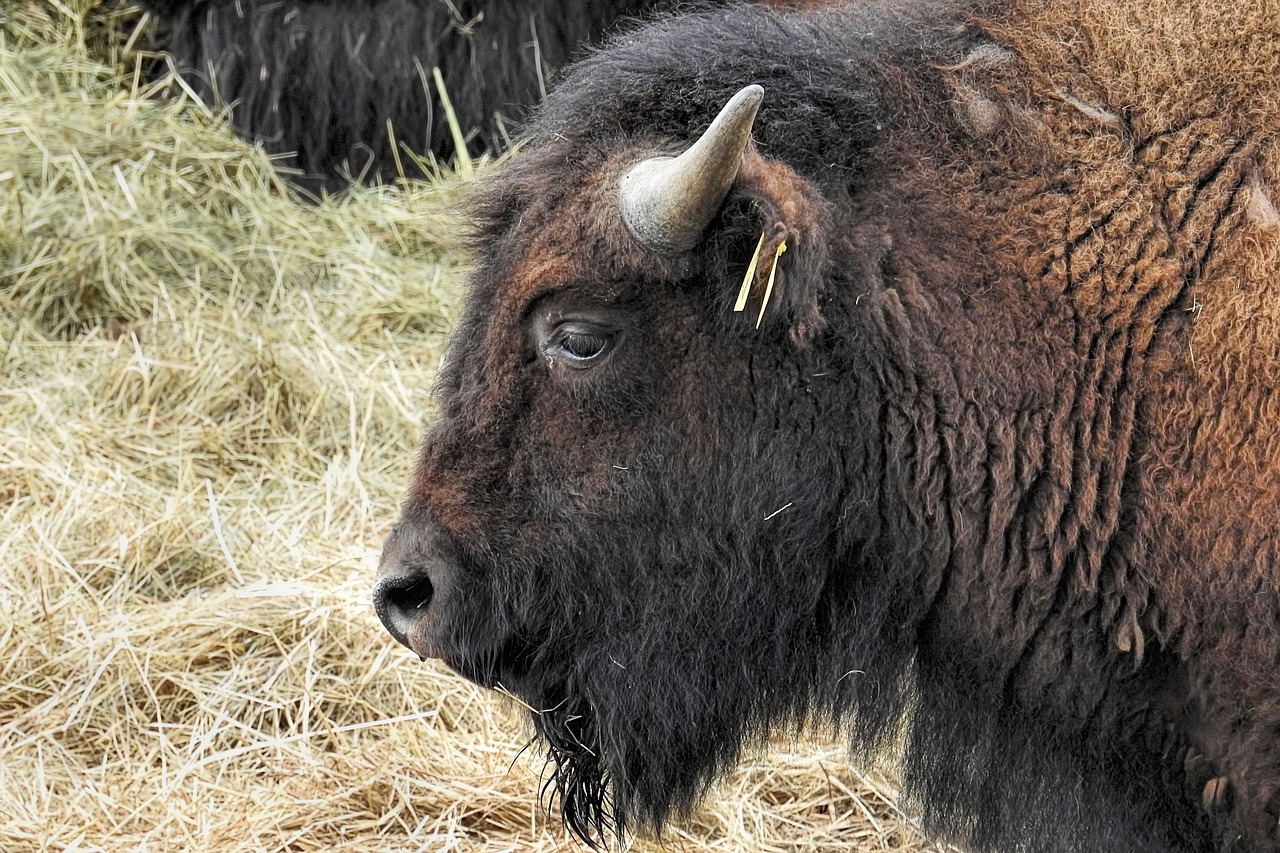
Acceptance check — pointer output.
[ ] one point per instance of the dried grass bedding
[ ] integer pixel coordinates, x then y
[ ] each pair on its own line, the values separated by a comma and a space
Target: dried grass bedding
210, 395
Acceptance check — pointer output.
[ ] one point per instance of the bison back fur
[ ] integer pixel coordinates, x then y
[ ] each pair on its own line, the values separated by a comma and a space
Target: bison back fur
993, 486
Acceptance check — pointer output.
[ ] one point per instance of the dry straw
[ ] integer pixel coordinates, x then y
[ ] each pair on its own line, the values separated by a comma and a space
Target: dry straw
209, 399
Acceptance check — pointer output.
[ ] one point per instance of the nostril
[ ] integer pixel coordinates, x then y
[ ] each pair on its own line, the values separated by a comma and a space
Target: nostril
399, 601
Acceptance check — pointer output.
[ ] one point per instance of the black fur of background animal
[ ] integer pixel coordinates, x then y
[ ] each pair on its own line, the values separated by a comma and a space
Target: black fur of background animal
319, 81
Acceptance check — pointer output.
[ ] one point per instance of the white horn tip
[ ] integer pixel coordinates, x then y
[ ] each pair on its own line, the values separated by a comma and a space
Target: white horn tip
748, 96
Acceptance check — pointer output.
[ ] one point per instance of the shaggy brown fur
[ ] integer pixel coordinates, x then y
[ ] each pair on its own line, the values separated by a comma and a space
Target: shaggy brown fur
1016, 398
1159, 125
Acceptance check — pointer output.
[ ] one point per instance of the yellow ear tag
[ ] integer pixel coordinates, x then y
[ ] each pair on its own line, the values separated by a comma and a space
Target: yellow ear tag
768, 289
745, 291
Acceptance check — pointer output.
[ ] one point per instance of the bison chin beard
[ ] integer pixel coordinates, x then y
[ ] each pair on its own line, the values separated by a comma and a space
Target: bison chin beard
609, 777
637, 725
578, 777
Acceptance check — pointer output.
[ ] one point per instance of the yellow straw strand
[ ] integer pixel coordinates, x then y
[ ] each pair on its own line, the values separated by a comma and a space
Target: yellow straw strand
768, 289
749, 277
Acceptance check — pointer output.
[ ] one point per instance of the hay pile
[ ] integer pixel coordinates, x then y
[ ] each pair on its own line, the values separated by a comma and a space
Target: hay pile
209, 399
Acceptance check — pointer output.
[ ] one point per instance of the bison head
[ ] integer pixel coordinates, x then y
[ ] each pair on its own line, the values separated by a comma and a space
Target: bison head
629, 511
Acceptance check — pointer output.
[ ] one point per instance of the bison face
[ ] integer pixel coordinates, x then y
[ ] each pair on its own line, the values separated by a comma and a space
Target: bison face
624, 515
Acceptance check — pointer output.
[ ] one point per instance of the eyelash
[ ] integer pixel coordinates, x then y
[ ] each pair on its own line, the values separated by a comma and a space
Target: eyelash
579, 344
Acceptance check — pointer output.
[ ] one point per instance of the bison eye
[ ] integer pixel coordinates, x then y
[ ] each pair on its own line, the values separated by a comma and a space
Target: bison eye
579, 344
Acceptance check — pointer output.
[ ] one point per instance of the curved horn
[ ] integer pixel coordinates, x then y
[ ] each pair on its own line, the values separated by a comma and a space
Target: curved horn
668, 202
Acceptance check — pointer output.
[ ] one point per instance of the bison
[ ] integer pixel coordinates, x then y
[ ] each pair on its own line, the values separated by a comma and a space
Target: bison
338, 91
986, 471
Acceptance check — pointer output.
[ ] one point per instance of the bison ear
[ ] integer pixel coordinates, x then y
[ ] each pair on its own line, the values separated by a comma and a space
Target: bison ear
793, 249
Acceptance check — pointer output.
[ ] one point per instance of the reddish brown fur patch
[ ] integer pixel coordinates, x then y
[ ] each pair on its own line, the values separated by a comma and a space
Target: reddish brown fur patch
1160, 118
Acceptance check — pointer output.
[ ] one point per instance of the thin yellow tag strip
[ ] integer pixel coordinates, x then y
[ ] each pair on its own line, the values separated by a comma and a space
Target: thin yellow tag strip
749, 277
768, 289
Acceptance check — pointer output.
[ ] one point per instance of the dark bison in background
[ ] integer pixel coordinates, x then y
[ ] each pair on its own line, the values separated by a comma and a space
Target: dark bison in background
987, 471
332, 86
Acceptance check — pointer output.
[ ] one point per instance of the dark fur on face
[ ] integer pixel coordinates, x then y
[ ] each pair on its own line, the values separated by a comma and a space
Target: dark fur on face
938, 498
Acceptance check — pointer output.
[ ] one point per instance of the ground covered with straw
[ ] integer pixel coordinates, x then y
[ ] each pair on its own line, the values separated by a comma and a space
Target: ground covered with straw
210, 395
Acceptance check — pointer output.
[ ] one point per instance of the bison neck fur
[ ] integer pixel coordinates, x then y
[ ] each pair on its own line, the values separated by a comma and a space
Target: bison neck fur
994, 483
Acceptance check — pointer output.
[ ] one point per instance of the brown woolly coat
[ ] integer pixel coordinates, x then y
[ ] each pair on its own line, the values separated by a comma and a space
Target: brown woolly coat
1161, 123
